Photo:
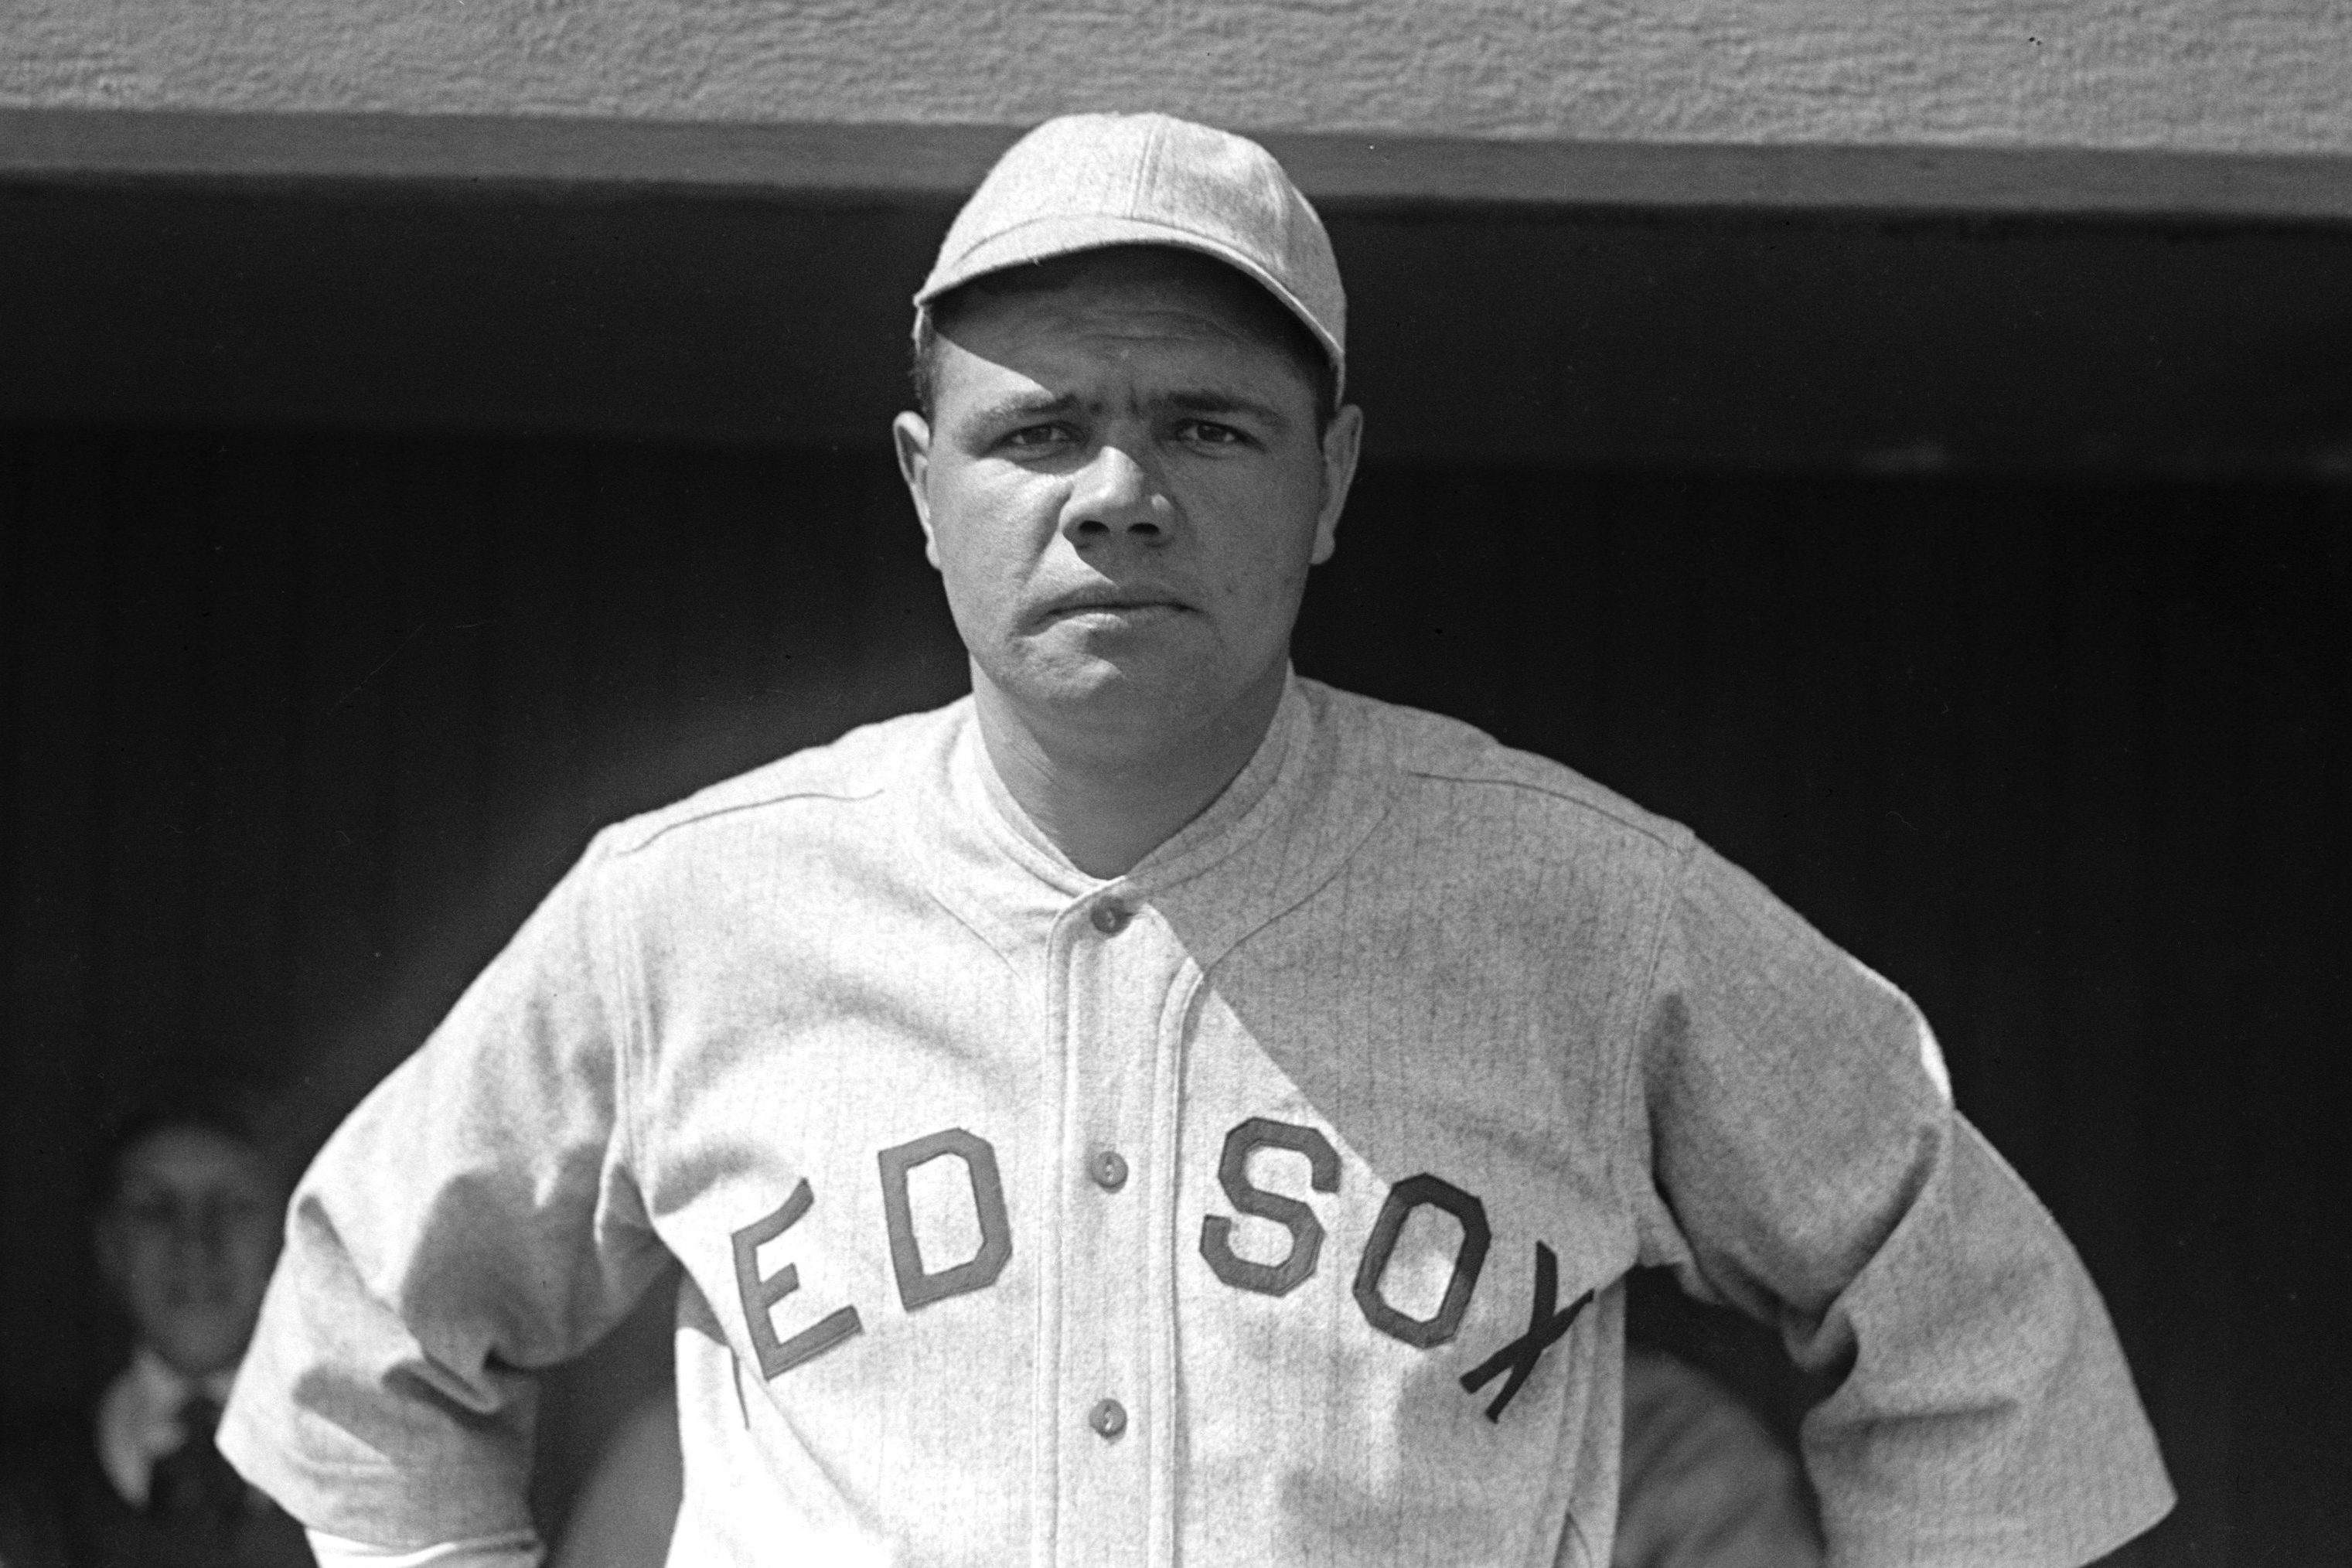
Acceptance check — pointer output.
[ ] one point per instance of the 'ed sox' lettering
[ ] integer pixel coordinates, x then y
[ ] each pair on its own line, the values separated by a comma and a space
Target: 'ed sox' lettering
1547, 1321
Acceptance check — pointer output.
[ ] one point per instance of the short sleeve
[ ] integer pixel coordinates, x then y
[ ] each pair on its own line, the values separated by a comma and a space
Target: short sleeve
472, 1221
1807, 1165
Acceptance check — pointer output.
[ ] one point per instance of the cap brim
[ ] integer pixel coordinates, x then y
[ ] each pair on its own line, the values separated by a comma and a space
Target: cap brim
1042, 239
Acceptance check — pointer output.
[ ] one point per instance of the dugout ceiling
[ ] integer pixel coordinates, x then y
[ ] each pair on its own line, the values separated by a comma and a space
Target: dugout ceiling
1543, 322
1908, 237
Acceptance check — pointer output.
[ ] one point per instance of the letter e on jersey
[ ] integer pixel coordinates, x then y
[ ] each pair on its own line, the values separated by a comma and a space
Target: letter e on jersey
759, 1296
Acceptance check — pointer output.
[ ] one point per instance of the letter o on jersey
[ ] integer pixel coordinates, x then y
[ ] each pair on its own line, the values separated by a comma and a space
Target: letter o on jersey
1468, 1260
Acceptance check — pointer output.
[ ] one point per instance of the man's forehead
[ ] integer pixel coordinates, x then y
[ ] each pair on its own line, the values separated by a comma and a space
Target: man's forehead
184, 1158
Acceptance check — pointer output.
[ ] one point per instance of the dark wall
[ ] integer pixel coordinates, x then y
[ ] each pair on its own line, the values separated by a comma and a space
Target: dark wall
1521, 335
297, 727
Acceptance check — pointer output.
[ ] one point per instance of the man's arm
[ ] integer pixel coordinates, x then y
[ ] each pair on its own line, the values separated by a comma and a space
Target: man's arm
1808, 1166
473, 1221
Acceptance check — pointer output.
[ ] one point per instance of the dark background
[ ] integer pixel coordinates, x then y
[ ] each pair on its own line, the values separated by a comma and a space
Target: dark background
1979, 586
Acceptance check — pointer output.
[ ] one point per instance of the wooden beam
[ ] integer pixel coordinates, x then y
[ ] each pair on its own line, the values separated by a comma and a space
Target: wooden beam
889, 160
941, 162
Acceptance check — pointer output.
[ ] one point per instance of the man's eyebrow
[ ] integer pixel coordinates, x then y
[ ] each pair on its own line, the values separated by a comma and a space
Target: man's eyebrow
1210, 402
1041, 404
1024, 405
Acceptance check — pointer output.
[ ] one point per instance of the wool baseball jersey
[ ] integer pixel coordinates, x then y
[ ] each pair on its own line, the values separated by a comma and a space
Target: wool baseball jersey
1268, 1204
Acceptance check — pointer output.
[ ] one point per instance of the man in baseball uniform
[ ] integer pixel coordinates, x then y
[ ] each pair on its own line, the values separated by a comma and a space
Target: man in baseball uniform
1158, 1108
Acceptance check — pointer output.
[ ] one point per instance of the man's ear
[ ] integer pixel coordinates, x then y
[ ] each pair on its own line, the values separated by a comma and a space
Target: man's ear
1341, 443
911, 434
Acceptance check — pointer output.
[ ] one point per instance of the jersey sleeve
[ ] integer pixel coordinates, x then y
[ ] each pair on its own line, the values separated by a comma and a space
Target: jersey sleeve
474, 1220
1806, 1165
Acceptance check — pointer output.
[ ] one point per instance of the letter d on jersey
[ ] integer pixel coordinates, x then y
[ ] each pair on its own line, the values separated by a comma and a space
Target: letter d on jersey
916, 1289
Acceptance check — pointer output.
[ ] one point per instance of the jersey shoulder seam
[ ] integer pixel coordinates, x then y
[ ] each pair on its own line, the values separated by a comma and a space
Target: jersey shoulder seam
643, 832
859, 767
1667, 834
1418, 743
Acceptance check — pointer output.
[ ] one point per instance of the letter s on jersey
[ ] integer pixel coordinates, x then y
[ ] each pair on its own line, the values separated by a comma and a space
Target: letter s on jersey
1306, 1230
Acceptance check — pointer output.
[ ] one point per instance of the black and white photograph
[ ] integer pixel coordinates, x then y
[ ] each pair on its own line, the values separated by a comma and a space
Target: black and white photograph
1260, 784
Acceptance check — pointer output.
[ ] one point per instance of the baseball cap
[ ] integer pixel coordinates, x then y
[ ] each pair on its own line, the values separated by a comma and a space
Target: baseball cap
1086, 180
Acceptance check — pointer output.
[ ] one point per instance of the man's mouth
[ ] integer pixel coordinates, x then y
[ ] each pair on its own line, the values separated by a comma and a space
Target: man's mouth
1117, 602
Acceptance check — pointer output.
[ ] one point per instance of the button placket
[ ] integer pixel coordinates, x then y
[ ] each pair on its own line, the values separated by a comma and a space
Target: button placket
1117, 981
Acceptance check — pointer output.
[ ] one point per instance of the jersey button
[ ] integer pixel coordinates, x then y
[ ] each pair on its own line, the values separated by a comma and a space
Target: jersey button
1108, 1419
1108, 1171
1110, 917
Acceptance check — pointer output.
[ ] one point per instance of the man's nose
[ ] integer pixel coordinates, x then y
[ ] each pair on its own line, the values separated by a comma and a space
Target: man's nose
1116, 497
200, 1233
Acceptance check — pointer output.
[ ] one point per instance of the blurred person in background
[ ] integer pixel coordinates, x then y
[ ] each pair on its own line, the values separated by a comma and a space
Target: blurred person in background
186, 1231
1702, 1482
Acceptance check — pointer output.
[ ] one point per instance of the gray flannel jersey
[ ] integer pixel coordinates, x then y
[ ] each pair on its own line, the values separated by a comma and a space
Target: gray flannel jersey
1266, 1206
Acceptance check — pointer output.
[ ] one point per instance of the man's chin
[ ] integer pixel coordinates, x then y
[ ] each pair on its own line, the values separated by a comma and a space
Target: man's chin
1132, 638
1094, 687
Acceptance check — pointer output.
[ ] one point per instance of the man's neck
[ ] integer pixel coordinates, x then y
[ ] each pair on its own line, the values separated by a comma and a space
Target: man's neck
1106, 795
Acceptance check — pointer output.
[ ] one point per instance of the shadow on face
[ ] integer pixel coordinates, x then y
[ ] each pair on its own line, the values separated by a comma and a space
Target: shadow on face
187, 1242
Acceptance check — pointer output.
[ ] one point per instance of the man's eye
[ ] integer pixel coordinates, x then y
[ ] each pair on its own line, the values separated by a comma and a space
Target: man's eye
1034, 437
1209, 433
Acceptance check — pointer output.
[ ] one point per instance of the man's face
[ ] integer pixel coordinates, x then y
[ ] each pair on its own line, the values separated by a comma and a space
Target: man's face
188, 1243
1122, 485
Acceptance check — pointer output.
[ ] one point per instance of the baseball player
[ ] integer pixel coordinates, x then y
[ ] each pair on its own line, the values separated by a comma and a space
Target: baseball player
1158, 1108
